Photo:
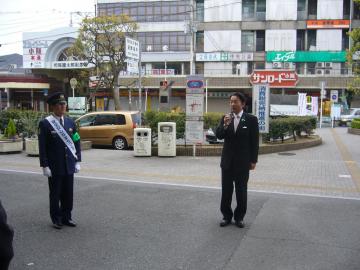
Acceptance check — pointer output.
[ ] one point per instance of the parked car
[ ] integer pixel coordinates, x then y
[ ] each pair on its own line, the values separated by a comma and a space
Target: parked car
114, 128
347, 118
211, 137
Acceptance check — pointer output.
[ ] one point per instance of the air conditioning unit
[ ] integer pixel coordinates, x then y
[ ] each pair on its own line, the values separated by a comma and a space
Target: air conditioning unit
277, 64
319, 71
320, 65
328, 64
289, 65
327, 71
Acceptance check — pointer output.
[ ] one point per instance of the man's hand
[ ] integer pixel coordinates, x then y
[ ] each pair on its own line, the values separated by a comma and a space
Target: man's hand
46, 171
227, 120
77, 167
252, 166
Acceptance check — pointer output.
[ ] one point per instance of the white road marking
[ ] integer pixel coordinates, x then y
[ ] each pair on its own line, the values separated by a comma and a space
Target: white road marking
186, 185
344, 175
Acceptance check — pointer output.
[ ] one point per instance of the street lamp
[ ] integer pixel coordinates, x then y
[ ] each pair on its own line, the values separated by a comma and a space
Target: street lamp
165, 48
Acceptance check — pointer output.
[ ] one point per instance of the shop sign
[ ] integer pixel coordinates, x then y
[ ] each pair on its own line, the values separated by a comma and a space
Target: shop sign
327, 24
261, 106
275, 78
71, 64
304, 56
224, 57
132, 48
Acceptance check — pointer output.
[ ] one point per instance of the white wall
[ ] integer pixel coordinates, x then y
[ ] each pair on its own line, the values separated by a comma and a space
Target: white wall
222, 10
280, 40
281, 10
222, 41
329, 40
217, 68
330, 9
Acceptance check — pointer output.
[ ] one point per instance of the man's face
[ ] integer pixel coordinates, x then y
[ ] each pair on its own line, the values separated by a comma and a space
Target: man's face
236, 104
59, 109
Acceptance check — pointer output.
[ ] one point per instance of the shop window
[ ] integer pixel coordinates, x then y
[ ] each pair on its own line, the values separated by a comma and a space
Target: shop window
300, 40
312, 9
345, 40
311, 34
301, 10
247, 41
260, 40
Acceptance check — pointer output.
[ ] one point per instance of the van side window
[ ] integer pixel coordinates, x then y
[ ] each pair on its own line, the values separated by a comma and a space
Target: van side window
87, 121
358, 112
104, 119
120, 119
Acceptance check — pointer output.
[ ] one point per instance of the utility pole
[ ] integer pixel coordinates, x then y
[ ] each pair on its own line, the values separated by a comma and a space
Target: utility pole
192, 30
140, 101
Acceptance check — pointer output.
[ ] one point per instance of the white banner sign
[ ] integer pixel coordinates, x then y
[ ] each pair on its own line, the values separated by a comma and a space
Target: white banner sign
261, 106
314, 105
194, 132
302, 104
132, 49
195, 105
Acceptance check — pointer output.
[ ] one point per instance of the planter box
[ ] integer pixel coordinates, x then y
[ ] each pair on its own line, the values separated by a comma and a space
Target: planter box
10, 146
32, 147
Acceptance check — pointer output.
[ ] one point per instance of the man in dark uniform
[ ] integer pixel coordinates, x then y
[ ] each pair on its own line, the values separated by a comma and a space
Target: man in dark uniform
240, 132
6, 238
59, 148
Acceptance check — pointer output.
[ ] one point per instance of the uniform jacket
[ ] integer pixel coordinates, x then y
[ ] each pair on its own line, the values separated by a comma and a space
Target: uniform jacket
6, 237
241, 147
53, 151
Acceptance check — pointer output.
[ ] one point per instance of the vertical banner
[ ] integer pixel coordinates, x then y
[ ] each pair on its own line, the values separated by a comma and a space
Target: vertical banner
301, 104
261, 106
314, 106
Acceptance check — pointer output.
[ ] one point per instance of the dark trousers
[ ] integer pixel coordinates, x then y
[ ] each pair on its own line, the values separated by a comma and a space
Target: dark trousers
61, 189
228, 178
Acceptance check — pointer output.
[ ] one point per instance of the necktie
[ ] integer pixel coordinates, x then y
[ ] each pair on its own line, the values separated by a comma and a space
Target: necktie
236, 122
62, 121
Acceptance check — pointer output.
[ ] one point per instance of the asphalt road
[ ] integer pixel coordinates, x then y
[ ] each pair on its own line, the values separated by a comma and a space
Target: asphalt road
125, 225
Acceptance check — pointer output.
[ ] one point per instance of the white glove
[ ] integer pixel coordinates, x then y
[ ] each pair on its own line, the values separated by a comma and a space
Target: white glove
77, 167
46, 171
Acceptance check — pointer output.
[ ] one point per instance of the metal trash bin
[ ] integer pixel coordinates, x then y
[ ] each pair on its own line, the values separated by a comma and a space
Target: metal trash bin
142, 142
166, 139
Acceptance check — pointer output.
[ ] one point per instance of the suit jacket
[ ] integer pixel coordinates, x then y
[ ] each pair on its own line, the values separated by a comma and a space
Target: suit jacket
53, 151
6, 237
241, 147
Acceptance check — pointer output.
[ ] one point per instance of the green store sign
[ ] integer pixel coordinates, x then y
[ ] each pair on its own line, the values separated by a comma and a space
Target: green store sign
302, 56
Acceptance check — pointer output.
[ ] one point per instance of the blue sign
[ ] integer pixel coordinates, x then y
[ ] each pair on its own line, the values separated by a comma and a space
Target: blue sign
195, 84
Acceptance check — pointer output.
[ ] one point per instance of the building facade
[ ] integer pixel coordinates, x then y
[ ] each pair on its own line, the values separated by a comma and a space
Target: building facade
230, 42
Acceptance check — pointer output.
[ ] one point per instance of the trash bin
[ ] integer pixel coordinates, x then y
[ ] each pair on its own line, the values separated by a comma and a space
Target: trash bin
142, 142
166, 139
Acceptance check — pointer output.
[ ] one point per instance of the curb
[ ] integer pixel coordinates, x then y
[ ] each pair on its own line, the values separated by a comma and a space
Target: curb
355, 131
215, 150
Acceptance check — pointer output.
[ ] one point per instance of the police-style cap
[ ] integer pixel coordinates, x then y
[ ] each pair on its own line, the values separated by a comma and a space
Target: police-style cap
56, 98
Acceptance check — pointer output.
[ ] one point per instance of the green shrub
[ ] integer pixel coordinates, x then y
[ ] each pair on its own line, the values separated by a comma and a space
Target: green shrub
212, 119
292, 125
355, 123
10, 130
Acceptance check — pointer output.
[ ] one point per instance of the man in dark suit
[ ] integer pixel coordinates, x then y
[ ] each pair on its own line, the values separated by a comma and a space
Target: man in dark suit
6, 238
240, 132
59, 148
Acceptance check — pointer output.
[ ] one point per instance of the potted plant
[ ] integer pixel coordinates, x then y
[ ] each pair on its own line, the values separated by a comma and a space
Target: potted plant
10, 141
30, 123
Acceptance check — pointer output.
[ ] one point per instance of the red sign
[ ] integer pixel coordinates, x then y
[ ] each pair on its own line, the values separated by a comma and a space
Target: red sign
275, 78
318, 24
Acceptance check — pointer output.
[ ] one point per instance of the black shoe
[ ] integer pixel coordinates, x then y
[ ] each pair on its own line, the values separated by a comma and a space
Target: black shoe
240, 224
57, 225
225, 223
69, 223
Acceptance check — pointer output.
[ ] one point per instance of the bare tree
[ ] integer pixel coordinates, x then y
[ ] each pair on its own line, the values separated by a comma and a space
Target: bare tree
101, 41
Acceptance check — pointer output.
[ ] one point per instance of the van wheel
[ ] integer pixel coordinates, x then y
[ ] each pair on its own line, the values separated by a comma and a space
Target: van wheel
119, 143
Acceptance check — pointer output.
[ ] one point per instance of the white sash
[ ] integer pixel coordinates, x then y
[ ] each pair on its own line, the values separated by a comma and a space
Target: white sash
62, 134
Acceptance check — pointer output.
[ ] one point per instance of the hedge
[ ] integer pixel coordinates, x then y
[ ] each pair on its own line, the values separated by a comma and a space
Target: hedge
26, 122
278, 127
355, 123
